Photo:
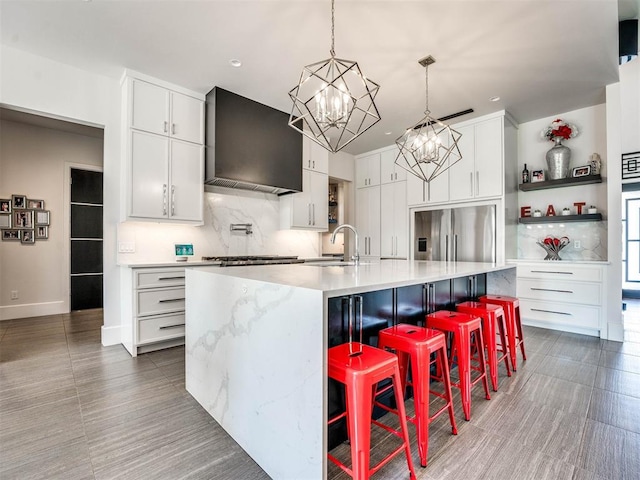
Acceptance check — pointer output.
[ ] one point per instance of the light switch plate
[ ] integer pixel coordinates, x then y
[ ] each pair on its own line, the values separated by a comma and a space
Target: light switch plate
126, 247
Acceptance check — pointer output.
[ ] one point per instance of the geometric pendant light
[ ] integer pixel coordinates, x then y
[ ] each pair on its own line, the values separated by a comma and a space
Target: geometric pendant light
430, 147
333, 102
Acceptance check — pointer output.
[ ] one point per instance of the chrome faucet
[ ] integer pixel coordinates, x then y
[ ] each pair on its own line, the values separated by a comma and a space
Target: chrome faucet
356, 257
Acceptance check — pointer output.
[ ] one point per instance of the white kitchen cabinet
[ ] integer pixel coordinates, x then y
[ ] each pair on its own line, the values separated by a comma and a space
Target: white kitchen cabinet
480, 172
393, 220
159, 110
368, 220
389, 171
566, 297
314, 156
309, 209
163, 151
420, 192
166, 178
368, 170
154, 314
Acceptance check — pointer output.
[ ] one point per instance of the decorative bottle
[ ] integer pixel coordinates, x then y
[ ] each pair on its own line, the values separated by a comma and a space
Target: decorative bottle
525, 175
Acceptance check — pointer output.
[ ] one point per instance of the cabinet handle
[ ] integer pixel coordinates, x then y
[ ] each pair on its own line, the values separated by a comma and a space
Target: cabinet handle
173, 129
314, 164
164, 199
551, 311
477, 182
545, 271
172, 326
170, 300
309, 163
391, 175
313, 212
432, 299
170, 278
551, 290
173, 200
471, 183
309, 212
166, 126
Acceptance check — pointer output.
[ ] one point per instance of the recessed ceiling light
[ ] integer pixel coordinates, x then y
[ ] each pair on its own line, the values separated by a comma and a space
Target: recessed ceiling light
234, 62
494, 99
387, 133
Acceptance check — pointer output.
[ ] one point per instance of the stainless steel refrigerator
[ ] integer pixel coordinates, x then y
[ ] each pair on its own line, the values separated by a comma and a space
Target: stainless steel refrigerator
465, 234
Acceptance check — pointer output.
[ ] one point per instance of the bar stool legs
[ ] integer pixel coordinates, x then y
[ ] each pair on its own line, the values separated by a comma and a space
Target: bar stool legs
515, 337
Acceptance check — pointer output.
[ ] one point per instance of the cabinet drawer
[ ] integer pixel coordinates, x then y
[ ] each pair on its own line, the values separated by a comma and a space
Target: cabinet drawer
559, 291
159, 278
561, 272
560, 313
160, 328
151, 302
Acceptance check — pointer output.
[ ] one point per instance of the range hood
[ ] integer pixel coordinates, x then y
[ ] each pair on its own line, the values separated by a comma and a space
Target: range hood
250, 146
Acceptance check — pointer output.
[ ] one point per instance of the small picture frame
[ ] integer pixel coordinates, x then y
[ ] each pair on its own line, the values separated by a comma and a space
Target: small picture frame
582, 171
27, 236
11, 235
5, 205
537, 176
22, 218
5, 220
42, 232
42, 217
35, 204
18, 201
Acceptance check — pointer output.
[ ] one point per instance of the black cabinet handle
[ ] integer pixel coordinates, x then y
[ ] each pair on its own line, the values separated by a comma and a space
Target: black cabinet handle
170, 278
172, 326
169, 300
551, 311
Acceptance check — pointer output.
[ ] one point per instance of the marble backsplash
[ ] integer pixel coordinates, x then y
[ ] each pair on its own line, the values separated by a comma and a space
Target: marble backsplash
592, 237
154, 241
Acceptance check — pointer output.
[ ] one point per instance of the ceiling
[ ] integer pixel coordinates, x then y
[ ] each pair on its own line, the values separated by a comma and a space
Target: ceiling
539, 57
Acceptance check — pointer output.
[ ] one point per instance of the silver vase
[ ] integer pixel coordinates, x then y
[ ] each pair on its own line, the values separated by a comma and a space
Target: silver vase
558, 160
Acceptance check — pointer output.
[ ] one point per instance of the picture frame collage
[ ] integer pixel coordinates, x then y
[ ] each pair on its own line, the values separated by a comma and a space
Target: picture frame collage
23, 219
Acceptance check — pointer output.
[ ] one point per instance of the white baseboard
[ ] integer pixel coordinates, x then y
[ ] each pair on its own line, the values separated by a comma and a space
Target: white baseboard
10, 312
110, 335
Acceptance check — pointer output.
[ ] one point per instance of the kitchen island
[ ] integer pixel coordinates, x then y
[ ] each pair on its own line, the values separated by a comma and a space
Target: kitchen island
256, 344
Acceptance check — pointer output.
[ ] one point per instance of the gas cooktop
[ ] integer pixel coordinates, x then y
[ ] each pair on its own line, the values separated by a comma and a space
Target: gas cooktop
240, 260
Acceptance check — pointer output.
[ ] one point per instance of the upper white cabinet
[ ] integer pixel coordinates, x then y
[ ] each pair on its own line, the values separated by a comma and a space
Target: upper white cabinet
309, 209
389, 171
165, 112
480, 172
420, 192
368, 170
393, 220
368, 220
163, 150
314, 157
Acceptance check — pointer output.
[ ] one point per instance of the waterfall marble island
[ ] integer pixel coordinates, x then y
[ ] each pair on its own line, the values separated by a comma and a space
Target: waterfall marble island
256, 344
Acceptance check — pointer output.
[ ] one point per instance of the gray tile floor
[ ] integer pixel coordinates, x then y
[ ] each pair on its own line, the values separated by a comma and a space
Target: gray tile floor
72, 409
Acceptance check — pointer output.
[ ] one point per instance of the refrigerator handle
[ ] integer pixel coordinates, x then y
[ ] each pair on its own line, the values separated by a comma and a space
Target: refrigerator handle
432, 301
446, 248
455, 248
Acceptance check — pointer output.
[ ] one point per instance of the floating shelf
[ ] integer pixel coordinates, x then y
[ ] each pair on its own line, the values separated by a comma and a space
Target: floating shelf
588, 217
563, 182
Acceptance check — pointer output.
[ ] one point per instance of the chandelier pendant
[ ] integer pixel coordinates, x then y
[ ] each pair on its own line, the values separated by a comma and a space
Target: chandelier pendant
430, 147
333, 102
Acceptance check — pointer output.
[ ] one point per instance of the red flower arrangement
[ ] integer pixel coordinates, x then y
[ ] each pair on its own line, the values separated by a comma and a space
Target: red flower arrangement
559, 129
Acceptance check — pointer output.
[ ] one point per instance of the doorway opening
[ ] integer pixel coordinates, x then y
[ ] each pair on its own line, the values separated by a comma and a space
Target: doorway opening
86, 266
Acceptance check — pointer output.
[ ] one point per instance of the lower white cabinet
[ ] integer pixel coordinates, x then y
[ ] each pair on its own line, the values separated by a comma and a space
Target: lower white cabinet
393, 220
563, 296
309, 209
368, 220
154, 316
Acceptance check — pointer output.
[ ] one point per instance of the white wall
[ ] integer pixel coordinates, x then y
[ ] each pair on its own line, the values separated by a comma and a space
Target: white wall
154, 242
630, 106
592, 138
32, 163
41, 85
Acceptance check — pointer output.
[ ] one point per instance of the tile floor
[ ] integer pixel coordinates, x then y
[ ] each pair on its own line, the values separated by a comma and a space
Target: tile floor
72, 409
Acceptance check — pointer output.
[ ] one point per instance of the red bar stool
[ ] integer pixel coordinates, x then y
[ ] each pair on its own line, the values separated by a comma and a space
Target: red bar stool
515, 338
360, 367
491, 315
464, 328
416, 344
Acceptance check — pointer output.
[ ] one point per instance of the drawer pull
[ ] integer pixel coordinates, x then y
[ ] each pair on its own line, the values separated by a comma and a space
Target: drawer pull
172, 326
170, 278
551, 290
546, 271
168, 300
551, 311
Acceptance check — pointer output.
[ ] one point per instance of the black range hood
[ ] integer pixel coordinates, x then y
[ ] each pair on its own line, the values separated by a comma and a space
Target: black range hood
250, 145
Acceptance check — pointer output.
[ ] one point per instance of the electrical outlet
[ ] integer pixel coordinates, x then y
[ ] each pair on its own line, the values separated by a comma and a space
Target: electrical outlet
126, 247
576, 244
14, 294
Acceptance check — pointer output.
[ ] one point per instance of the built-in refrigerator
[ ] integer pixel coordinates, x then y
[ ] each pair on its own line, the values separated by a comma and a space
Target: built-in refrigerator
464, 234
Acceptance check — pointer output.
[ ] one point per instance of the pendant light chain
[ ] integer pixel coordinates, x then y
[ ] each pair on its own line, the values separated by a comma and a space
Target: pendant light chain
426, 89
333, 35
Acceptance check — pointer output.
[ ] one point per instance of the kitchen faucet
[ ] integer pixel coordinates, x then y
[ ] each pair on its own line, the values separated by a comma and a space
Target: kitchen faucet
356, 257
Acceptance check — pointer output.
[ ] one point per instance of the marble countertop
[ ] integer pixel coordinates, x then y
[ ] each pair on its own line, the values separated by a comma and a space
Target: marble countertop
336, 280
561, 262
190, 263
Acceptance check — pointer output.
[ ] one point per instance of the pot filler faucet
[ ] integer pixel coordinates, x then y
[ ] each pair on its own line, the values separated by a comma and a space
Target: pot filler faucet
356, 257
